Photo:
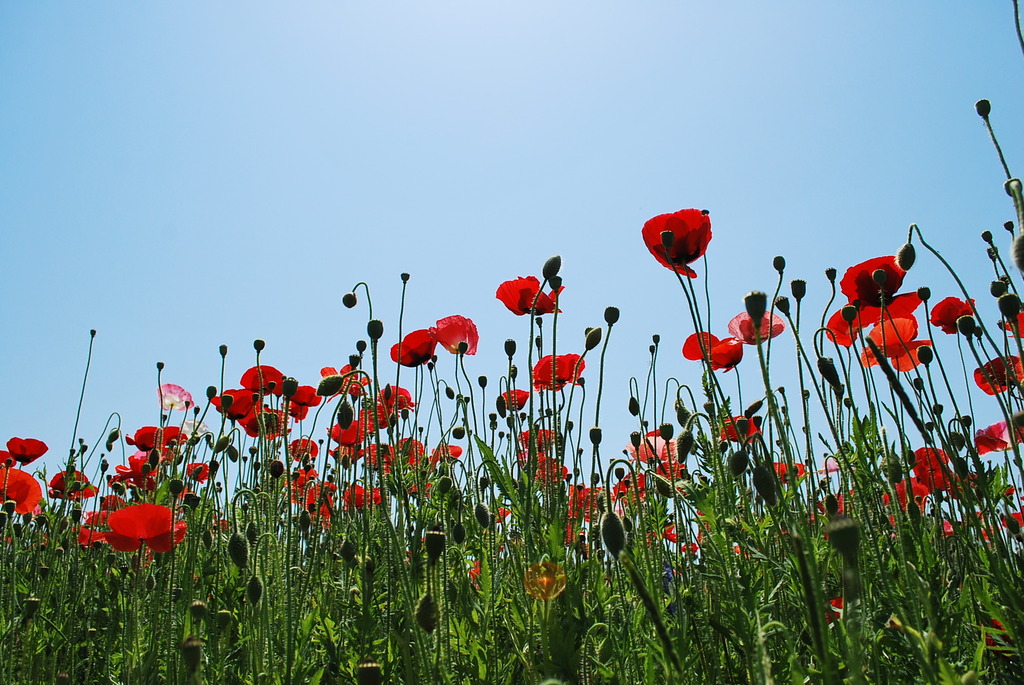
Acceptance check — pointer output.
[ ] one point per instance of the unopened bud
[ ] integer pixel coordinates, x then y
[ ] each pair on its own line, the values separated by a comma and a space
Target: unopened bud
551, 267
349, 300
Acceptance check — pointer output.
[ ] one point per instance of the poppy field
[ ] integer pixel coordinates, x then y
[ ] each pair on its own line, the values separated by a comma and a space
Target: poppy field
402, 519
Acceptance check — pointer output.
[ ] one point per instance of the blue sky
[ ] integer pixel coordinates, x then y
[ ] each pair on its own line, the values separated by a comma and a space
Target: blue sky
180, 176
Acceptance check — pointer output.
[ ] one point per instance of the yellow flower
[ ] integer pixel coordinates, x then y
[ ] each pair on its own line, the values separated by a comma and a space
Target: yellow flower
545, 580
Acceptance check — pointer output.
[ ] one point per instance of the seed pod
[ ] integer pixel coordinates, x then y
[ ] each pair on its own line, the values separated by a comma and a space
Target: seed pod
756, 303
925, 355
254, 590
666, 431
595, 436
459, 533
238, 550
613, 533
1009, 306
782, 304
798, 288
368, 672
198, 610
764, 484
1017, 251
192, 653
844, 535
611, 315
966, 325
459, 432
375, 329
983, 108
426, 613
779, 263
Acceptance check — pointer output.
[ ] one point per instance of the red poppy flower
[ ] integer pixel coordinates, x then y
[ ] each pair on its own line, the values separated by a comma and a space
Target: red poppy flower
549, 470
514, 399
732, 427
1019, 322
73, 487
920, 493
583, 501
444, 452
858, 283
270, 423
931, 468
834, 610
994, 377
742, 328
242, 403
691, 233
519, 295
198, 472
722, 354
355, 497
152, 524
21, 487
263, 380
149, 438
657, 453
305, 397
553, 373
415, 349
303, 448
623, 490
947, 311
546, 441
995, 438
137, 472
26, 450
895, 339
842, 332
452, 332
782, 469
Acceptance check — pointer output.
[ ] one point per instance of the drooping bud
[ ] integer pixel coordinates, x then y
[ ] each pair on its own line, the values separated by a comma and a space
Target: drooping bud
844, 534
483, 515
349, 300
330, 385
254, 590
593, 338
906, 256
238, 550
764, 484
426, 613
738, 462
346, 414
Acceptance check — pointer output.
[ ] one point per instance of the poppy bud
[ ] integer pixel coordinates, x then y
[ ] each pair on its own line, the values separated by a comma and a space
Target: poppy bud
844, 534
483, 515
662, 485
756, 302
830, 274
738, 462
349, 300
347, 550
304, 520
254, 590
764, 484
831, 505
459, 533
459, 432
684, 443
966, 325
595, 436
983, 108
779, 263
289, 386
613, 533
782, 304
238, 550
435, 543
753, 408
192, 653
346, 414
997, 288
112, 438
634, 439
368, 672
175, 486
375, 329
551, 267
259, 345
1017, 251
426, 613
668, 238
1012, 524
611, 315
593, 338
443, 485
906, 256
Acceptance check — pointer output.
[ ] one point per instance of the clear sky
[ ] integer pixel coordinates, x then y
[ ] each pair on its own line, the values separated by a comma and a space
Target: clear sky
182, 175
